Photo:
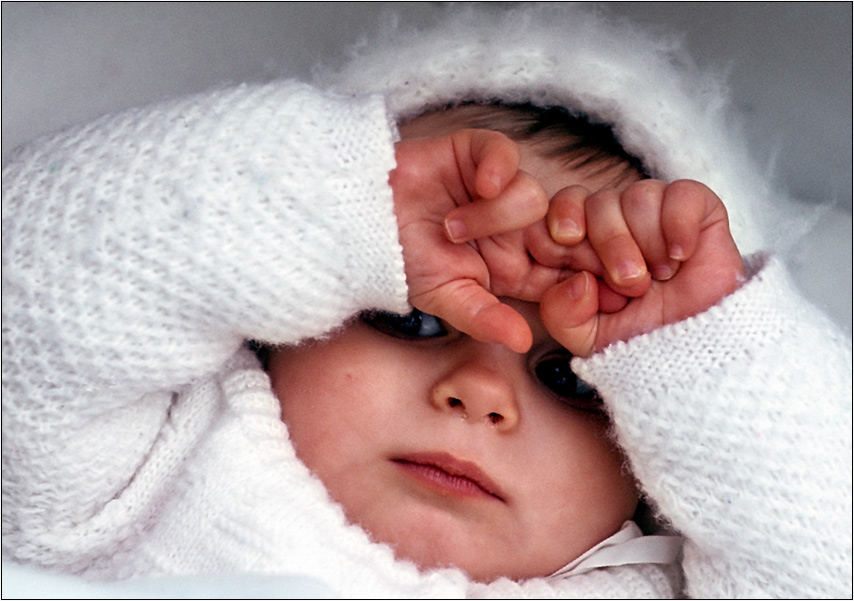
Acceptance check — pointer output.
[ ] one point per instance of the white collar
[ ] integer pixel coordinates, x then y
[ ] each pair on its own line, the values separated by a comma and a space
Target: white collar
627, 546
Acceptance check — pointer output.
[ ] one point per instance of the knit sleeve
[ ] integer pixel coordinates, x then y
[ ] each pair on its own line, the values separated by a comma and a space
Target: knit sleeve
140, 251
189, 227
737, 424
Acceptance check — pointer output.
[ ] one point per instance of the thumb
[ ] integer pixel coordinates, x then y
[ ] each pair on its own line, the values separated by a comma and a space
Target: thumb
570, 312
473, 310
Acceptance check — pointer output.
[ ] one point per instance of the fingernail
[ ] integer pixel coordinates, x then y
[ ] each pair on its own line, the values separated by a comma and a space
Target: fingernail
495, 181
662, 272
628, 270
455, 229
566, 229
577, 287
677, 253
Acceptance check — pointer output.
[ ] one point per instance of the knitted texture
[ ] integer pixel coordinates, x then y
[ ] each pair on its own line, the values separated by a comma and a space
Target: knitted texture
138, 438
141, 250
738, 424
139, 253
673, 116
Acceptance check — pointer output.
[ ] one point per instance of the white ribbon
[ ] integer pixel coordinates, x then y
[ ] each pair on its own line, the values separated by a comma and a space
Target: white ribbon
627, 546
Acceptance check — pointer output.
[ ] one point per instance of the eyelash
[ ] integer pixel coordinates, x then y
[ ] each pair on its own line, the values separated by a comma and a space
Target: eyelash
552, 370
415, 325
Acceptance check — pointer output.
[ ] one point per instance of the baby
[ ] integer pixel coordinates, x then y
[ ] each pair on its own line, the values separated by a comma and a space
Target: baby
458, 450
451, 450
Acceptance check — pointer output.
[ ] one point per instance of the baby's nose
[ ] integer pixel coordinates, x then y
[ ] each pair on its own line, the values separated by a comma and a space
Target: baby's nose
479, 393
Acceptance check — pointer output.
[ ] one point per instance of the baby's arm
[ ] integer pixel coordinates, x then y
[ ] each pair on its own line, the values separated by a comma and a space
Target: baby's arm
140, 251
736, 422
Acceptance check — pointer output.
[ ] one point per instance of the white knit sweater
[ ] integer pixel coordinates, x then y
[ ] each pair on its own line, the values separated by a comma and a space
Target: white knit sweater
139, 439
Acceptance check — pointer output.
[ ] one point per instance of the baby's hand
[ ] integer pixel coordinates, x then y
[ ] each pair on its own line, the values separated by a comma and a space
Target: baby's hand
451, 194
667, 248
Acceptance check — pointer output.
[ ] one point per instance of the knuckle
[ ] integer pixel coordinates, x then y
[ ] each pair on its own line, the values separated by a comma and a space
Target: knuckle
688, 184
526, 198
568, 204
539, 201
687, 190
611, 243
600, 200
644, 195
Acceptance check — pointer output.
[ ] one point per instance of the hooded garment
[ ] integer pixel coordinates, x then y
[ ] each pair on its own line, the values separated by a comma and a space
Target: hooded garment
674, 117
141, 250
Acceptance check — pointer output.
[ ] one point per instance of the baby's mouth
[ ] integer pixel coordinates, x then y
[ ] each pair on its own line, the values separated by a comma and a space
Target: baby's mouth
449, 475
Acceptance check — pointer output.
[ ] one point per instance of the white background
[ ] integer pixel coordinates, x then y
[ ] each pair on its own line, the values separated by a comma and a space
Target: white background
789, 65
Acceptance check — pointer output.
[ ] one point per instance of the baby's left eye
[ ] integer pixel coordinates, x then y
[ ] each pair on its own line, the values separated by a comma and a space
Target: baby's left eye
412, 326
554, 372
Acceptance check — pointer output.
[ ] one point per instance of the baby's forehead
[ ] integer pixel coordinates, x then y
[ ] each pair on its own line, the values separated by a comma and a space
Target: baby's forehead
439, 122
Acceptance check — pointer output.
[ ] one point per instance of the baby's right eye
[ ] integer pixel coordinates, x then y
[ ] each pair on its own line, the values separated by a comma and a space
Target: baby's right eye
412, 326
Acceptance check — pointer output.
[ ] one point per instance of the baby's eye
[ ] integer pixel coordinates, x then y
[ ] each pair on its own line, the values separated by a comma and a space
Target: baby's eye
411, 326
554, 372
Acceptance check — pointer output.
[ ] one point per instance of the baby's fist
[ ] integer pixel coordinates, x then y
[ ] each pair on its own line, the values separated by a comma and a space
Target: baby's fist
665, 246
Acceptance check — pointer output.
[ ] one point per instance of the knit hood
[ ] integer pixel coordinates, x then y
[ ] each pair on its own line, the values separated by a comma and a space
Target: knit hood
664, 110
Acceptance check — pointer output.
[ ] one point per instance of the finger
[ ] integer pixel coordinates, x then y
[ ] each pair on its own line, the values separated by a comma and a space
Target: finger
546, 252
555, 242
686, 205
641, 204
565, 220
471, 309
543, 249
521, 203
611, 238
569, 311
513, 273
491, 156
610, 301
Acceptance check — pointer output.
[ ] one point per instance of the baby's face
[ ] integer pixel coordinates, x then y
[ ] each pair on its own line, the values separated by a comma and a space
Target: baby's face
453, 451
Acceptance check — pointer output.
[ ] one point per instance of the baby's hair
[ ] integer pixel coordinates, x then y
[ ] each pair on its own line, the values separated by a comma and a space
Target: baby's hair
556, 132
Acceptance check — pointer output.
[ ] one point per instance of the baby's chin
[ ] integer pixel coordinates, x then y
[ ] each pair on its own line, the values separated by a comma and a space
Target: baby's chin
480, 569
482, 561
